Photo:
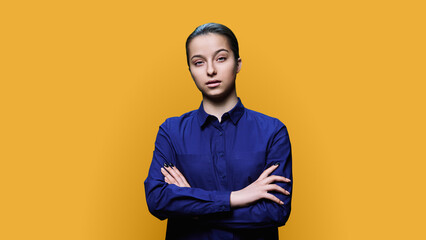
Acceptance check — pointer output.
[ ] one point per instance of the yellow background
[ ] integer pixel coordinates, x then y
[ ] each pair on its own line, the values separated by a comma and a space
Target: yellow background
85, 85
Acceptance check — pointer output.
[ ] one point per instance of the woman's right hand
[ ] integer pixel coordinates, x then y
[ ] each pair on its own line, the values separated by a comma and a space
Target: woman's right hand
259, 189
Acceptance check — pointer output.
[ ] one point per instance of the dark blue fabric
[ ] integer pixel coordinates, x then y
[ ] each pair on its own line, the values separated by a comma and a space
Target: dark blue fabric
217, 158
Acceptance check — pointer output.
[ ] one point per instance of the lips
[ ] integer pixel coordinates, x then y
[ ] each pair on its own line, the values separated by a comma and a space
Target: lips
213, 83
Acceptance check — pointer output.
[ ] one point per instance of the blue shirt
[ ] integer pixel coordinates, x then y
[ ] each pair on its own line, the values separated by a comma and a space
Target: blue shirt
217, 158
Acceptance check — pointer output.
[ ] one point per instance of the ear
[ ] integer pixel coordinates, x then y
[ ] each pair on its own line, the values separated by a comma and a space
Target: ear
238, 65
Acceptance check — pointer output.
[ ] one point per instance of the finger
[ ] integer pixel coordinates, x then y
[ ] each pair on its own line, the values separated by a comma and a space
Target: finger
166, 180
276, 178
268, 171
273, 198
175, 176
276, 188
172, 172
181, 176
169, 177
171, 180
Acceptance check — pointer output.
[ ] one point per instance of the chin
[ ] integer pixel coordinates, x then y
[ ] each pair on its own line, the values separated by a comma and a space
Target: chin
213, 96
217, 94
217, 97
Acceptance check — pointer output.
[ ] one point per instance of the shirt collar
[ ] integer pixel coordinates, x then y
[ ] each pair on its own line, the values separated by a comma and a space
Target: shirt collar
234, 114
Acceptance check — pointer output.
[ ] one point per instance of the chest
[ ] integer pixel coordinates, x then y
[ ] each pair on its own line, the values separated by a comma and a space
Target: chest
226, 158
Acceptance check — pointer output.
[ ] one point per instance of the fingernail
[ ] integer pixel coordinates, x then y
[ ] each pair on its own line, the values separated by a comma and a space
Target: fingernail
171, 165
166, 165
281, 202
277, 164
287, 192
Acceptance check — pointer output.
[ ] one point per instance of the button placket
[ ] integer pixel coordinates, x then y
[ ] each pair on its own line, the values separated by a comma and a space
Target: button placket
221, 155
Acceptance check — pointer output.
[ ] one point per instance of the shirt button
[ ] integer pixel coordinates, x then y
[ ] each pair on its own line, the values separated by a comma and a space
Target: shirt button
221, 154
220, 133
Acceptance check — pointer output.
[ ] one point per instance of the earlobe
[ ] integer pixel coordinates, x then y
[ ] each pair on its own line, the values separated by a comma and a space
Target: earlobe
238, 65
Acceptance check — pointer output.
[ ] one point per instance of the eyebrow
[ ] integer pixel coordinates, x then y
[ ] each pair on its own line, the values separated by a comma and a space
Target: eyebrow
220, 50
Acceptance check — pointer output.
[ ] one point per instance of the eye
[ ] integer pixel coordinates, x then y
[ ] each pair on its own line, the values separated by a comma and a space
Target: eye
221, 59
198, 63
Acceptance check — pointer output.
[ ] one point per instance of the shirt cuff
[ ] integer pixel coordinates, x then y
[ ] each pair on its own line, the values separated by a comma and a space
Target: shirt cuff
222, 199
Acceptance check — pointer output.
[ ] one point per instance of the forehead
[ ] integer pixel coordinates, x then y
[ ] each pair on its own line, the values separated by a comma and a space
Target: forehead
208, 44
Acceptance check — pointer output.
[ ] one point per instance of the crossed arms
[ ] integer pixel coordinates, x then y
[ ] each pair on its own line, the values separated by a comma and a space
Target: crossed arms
265, 202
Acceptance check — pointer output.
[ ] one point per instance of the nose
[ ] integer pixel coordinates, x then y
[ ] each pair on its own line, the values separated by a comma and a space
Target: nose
211, 70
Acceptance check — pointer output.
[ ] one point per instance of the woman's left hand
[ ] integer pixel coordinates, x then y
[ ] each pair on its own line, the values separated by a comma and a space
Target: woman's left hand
173, 176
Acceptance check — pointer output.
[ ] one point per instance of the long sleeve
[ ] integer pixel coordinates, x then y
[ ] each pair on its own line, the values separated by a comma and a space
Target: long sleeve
264, 213
166, 200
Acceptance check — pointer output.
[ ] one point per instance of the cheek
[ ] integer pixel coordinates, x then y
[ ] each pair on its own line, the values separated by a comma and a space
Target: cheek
196, 76
229, 70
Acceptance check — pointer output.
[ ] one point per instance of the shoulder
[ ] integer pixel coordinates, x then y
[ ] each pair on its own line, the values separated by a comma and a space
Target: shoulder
263, 119
268, 126
175, 122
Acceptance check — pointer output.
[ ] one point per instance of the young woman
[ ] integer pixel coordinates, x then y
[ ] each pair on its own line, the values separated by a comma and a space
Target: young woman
221, 171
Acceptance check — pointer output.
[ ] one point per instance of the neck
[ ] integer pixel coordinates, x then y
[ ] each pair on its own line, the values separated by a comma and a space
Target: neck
218, 107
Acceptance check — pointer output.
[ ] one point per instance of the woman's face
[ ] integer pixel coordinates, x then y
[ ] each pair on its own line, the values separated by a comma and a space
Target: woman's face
212, 65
